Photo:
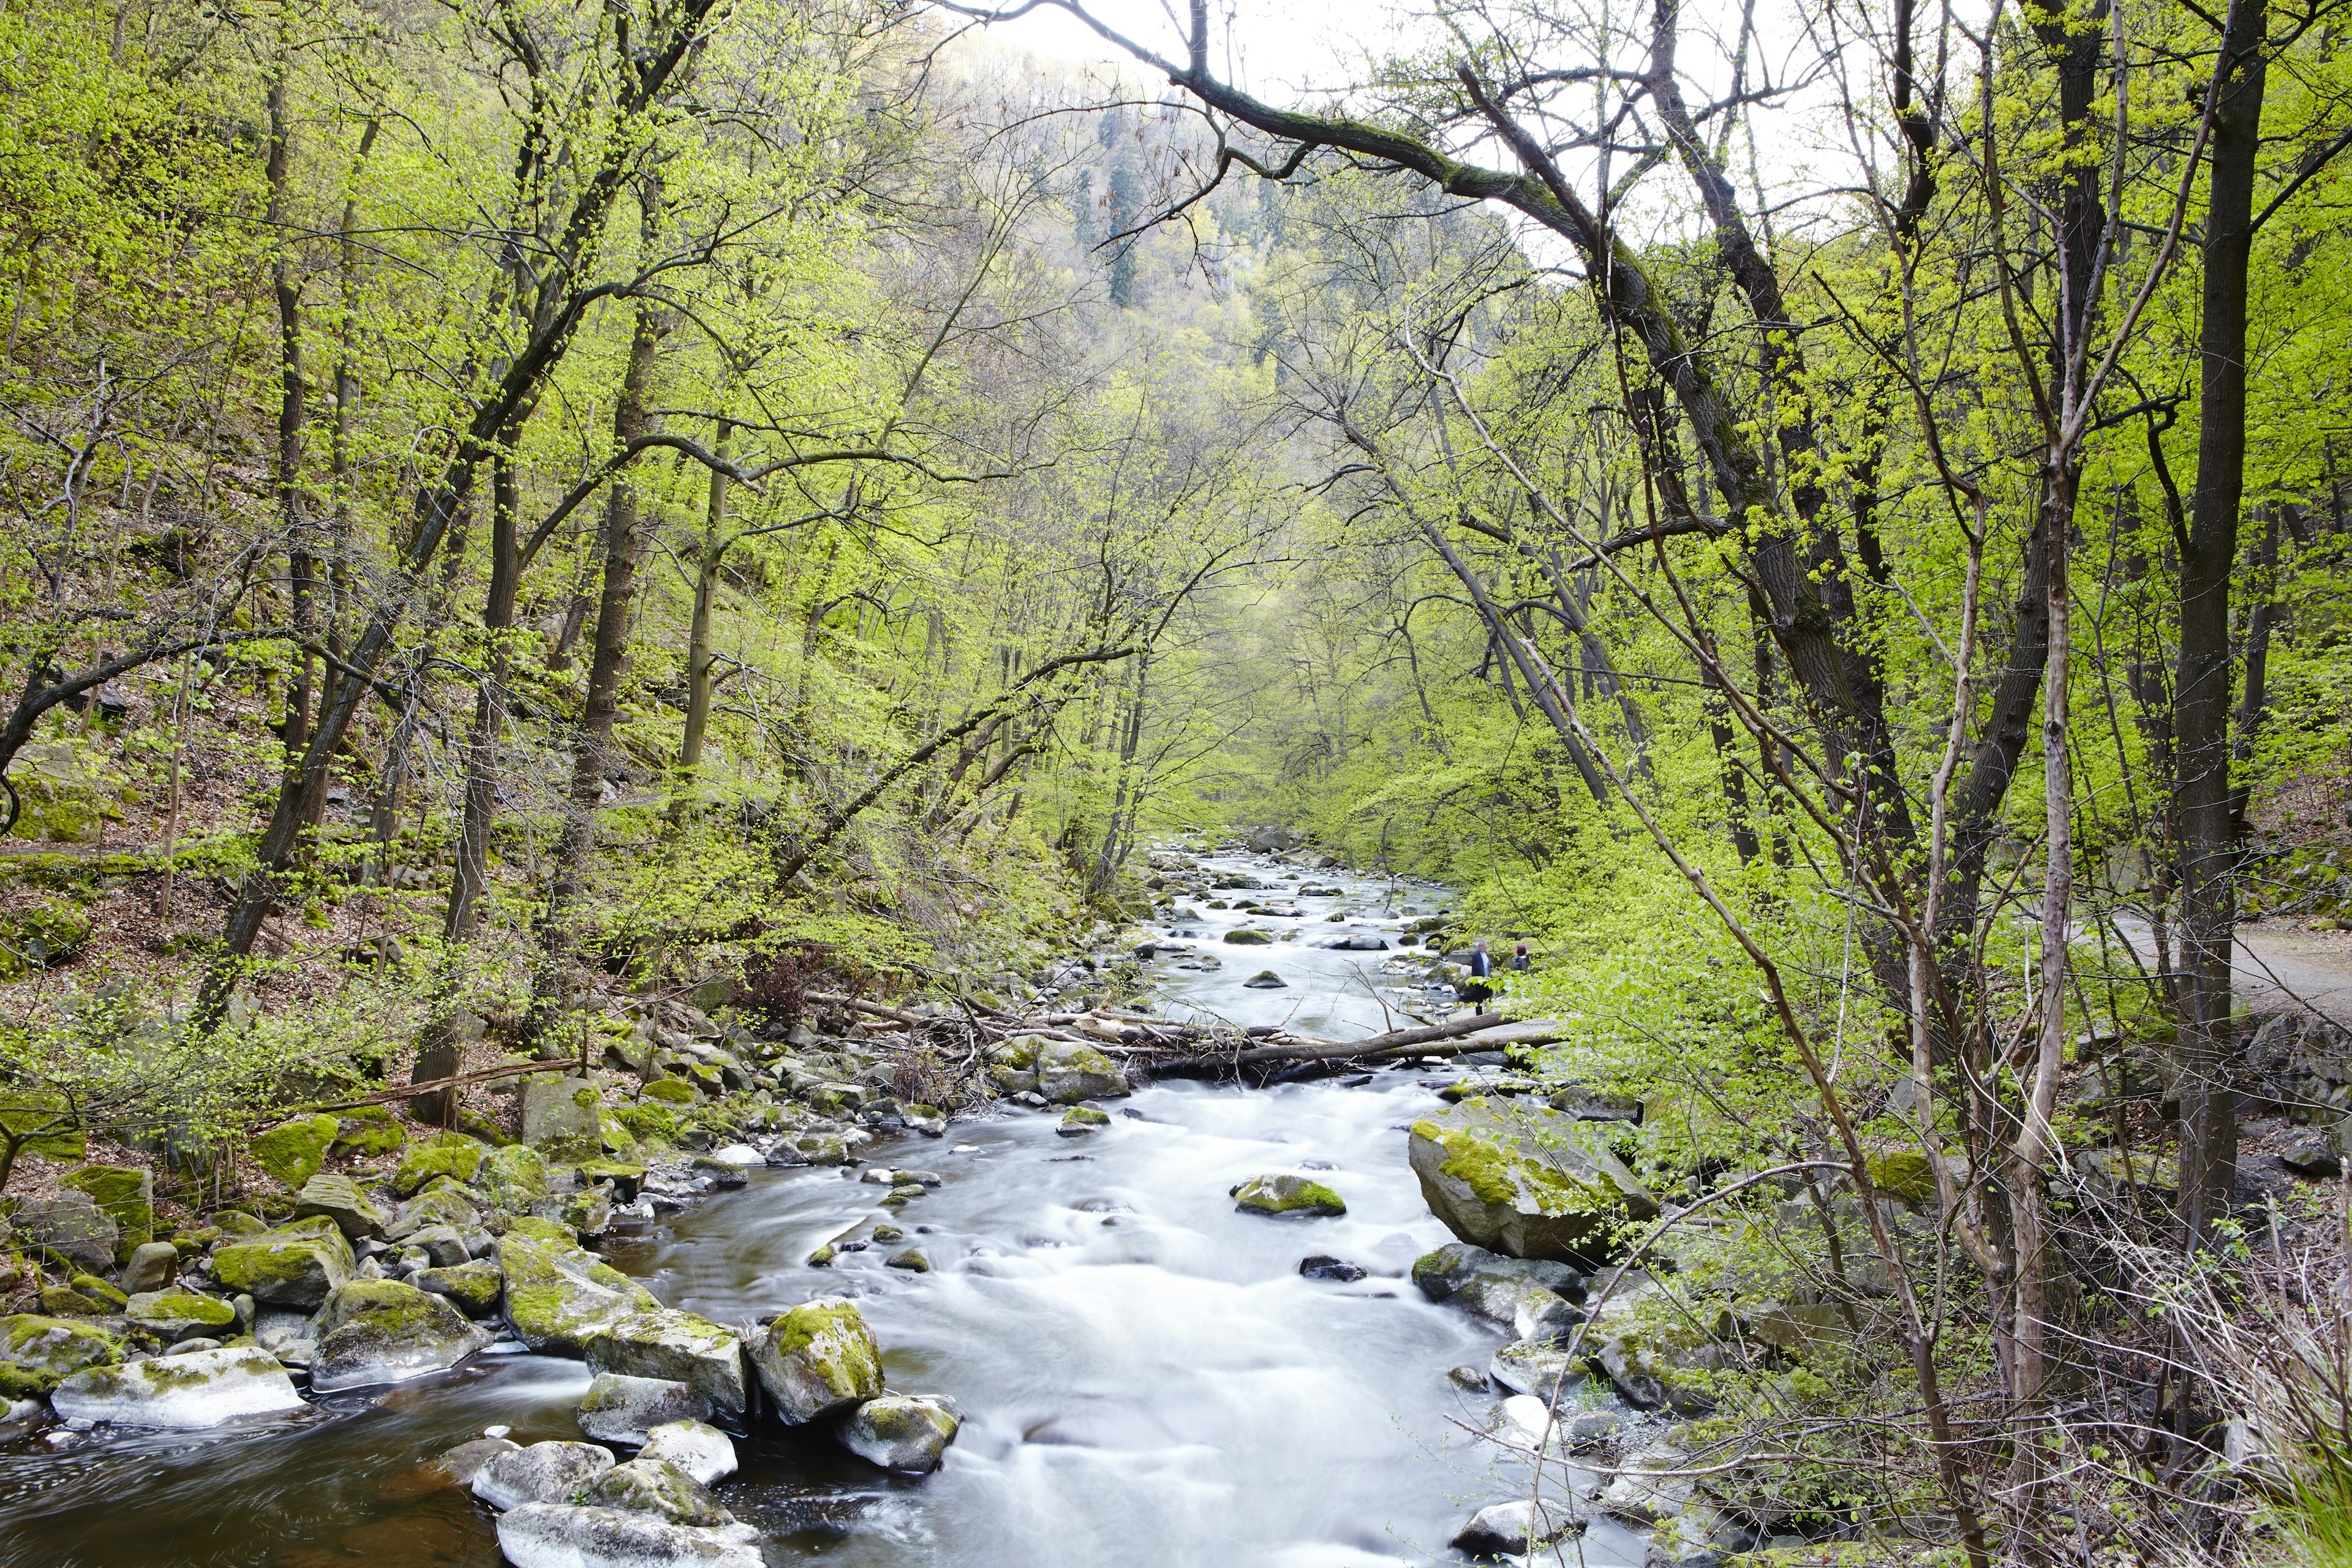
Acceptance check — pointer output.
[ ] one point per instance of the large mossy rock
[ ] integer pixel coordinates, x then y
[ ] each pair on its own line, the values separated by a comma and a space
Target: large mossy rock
620, 1409
559, 1296
474, 1287
513, 1178
451, 1154
560, 1115
337, 1197
37, 1351
181, 1314
69, 1226
658, 1488
45, 1120
181, 1393
560, 1535
445, 1204
676, 1347
298, 1264
294, 1150
40, 935
1287, 1196
367, 1131
1068, 1072
127, 1194
383, 1330
908, 1433
1531, 1184
817, 1359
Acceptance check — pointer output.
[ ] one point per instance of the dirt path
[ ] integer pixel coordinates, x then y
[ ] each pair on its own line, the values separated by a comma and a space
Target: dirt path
2280, 967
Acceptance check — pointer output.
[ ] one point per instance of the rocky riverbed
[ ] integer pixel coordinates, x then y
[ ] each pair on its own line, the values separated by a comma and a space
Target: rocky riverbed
1176, 1323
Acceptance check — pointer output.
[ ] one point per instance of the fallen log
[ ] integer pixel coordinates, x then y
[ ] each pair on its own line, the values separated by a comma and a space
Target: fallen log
1455, 1036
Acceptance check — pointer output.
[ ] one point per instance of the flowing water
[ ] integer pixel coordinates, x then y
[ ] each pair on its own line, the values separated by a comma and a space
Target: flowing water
1147, 1379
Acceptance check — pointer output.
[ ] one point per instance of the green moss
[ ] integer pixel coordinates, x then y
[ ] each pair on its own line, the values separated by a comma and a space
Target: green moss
42, 934
1242, 936
368, 1132
293, 1151
126, 1193
39, 1351
513, 1176
675, 1091
1287, 1194
1495, 1174
98, 1290
649, 1123
451, 1154
57, 1130
1904, 1173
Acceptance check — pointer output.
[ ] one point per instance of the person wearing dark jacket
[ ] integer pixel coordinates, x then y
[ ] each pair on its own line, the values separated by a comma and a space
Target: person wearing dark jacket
1482, 969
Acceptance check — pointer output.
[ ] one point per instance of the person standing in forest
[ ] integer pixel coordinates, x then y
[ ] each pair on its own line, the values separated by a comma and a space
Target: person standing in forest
1520, 959
1482, 969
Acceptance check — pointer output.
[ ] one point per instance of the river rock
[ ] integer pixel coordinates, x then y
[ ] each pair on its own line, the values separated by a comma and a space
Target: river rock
297, 1265
559, 1114
900, 1432
1081, 1120
546, 1535
1243, 936
1285, 1196
442, 1246
473, 1287
450, 1154
559, 1295
622, 1409
177, 1314
702, 1450
179, 1392
152, 1265
818, 1358
71, 1225
544, 1472
1657, 1358
1539, 1367
461, 1464
382, 1330
1640, 1496
1068, 1072
675, 1346
1496, 1186
445, 1203
1266, 980
1323, 1267
514, 1177
37, 1351
1515, 1529
658, 1488
339, 1198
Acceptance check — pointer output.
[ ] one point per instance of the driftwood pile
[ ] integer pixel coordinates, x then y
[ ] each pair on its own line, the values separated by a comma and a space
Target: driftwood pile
1160, 1048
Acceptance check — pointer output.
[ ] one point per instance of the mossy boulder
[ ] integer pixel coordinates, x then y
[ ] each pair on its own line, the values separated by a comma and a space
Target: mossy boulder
333, 1195
670, 1091
451, 1154
386, 1330
615, 1135
816, 1359
473, 1287
1536, 1184
41, 935
298, 1264
180, 1314
1068, 1072
1247, 936
294, 1150
559, 1295
367, 1131
445, 1203
46, 1122
66, 798
127, 1194
623, 1178
514, 1177
562, 1115
659, 1489
1903, 1173
1287, 1196
1080, 1119
648, 1123
906, 1433
67, 1226
184, 1393
676, 1347
37, 1351
65, 1301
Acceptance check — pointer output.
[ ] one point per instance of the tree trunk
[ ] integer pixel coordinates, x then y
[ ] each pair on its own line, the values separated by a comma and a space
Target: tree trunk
2209, 827
698, 642
471, 878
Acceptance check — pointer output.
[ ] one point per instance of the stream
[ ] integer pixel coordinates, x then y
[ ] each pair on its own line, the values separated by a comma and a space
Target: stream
1145, 1377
